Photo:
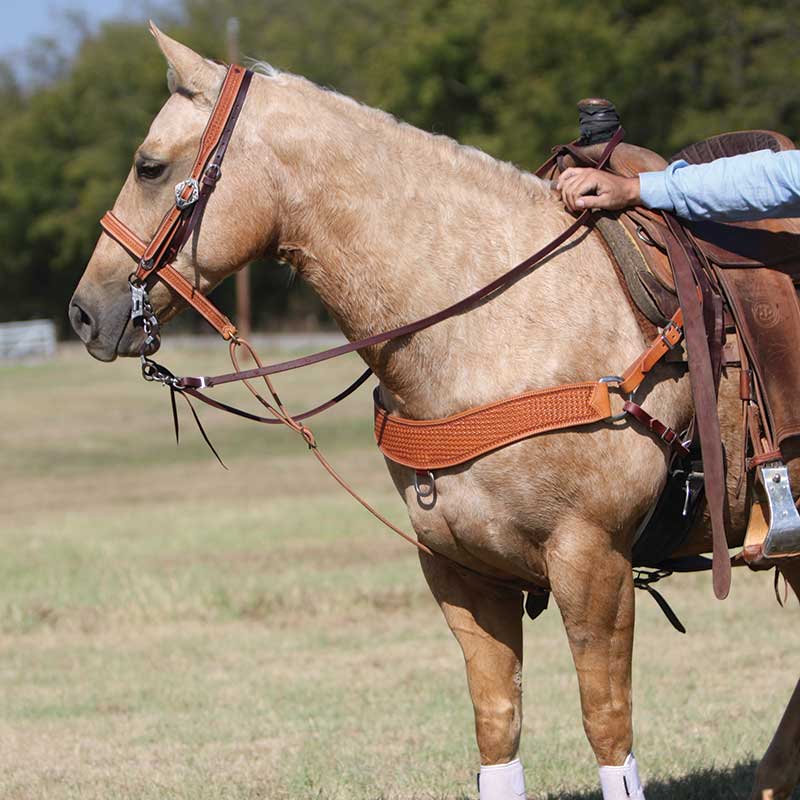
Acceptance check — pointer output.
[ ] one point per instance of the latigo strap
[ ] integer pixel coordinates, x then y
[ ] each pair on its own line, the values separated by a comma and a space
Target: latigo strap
703, 384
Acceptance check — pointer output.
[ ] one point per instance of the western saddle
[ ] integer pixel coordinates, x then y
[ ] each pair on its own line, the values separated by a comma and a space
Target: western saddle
744, 275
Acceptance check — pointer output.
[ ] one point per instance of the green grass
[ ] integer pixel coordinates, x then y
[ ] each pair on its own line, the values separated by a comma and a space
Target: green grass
172, 630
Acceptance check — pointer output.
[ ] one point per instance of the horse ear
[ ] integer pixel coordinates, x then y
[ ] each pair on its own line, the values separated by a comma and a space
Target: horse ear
188, 72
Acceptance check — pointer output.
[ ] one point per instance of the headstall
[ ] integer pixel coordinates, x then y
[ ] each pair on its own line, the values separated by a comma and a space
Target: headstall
410, 442
154, 260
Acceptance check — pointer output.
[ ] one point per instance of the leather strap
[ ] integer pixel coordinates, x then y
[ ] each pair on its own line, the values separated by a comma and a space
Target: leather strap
667, 340
239, 412
667, 435
173, 227
125, 237
438, 443
586, 219
192, 194
764, 458
701, 375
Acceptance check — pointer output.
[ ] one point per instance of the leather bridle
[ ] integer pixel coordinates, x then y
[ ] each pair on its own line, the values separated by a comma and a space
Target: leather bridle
155, 259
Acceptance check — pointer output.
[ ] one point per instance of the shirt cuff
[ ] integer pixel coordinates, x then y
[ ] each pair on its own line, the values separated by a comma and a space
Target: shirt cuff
653, 191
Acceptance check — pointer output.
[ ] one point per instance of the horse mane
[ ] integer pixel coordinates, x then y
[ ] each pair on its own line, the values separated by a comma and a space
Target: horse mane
471, 162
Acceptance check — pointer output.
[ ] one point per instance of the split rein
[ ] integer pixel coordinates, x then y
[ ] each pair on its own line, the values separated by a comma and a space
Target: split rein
182, 221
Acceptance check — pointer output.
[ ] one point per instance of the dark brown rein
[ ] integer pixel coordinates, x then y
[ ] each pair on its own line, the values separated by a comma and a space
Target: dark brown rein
154, 260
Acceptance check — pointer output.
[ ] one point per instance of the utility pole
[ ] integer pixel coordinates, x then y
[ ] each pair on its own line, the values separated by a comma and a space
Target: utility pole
243, 275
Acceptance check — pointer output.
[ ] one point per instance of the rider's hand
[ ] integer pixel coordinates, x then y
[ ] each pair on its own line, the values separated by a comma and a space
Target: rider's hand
583, 188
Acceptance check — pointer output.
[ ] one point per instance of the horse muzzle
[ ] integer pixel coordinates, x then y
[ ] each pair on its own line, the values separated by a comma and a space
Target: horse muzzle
104, 330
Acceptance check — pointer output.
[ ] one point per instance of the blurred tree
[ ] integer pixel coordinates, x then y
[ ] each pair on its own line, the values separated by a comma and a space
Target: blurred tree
10, 92
69, 146
503, 75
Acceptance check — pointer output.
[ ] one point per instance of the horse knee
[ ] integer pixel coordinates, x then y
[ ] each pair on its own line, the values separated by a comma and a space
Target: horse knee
609, 731
497, 727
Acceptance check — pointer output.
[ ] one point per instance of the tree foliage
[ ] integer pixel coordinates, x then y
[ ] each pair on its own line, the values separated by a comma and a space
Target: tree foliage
503, 75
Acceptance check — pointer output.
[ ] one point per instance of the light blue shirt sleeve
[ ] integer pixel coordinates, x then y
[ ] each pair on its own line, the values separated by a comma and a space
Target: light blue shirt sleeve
752, 186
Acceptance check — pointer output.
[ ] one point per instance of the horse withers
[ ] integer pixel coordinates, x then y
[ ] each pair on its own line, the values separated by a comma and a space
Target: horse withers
357, 202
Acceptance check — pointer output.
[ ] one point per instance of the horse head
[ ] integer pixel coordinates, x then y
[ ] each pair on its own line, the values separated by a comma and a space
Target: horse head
224, 240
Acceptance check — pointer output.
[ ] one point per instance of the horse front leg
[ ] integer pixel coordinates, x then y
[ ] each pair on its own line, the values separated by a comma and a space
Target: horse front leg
593, 586
487, 622
779, 770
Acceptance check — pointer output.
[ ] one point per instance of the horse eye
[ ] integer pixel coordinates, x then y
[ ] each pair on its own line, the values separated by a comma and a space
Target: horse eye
149, 170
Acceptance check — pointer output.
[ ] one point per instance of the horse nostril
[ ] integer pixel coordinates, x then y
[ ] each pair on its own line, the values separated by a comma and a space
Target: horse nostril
81, 321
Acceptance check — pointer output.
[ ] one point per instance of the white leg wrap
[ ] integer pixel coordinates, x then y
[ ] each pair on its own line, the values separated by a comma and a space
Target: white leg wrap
502, 782
621, 783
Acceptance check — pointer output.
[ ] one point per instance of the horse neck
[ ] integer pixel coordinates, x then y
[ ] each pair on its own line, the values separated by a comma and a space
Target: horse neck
389, 224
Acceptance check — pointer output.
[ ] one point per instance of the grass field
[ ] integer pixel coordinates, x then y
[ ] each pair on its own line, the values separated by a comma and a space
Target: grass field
172, 630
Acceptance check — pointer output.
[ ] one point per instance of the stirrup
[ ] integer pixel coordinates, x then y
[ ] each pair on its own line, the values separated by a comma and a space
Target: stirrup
783, 536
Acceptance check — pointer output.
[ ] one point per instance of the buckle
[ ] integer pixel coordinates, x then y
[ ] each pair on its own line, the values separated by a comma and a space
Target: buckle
212, 174
668, 435
184, 202
668, 327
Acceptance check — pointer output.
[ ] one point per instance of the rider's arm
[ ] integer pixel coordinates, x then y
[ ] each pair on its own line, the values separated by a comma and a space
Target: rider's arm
753, 186
747, 187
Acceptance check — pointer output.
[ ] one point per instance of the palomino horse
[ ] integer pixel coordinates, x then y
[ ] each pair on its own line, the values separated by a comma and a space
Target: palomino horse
389, 224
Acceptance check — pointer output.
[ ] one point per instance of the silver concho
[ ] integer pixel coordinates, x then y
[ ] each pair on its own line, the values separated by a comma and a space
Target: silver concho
182, 202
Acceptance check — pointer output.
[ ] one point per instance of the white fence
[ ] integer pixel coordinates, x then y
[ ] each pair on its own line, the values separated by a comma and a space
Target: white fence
20, 341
